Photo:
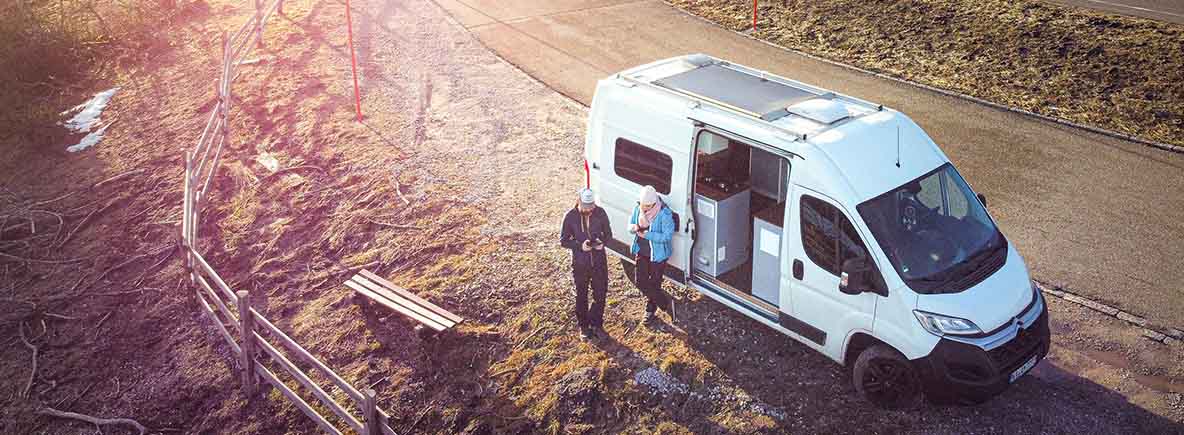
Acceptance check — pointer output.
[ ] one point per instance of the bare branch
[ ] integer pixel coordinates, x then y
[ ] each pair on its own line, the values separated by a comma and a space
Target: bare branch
93, 420
33, 373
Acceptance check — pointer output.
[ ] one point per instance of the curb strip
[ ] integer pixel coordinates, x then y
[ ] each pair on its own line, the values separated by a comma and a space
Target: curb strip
1165, 335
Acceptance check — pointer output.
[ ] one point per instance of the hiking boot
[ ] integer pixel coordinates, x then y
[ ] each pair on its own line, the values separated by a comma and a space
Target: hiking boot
650, 318
587, 333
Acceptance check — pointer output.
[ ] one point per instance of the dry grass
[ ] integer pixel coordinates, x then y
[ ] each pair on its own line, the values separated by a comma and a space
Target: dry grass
53, 52
1115, 72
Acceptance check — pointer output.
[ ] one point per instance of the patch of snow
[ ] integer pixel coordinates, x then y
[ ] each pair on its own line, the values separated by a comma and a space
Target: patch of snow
89, 112
90, 140
86, 117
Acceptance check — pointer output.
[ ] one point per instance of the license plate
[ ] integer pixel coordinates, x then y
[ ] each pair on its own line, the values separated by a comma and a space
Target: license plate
1023, 369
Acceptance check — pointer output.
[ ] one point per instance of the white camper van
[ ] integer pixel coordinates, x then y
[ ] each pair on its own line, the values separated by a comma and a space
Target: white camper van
833, 220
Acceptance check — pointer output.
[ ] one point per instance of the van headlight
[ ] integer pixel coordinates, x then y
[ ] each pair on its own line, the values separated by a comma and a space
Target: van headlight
938, 324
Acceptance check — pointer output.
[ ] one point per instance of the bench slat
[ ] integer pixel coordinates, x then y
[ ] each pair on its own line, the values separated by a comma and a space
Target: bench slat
412, 296
389, 304
396, 298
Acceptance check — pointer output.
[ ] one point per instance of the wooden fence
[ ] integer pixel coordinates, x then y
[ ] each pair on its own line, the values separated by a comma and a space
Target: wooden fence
249, 334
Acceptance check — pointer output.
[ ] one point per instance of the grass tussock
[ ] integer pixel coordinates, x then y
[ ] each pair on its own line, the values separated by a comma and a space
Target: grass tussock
1116, 72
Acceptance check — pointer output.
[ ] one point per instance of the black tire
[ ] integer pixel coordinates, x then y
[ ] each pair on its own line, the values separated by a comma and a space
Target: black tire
630, 271
887, 379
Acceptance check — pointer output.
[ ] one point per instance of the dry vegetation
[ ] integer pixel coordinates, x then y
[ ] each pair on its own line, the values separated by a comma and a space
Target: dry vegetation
53, 50
453, 187
1116, 72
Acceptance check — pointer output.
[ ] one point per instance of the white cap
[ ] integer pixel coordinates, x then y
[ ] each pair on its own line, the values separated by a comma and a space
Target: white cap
586, 197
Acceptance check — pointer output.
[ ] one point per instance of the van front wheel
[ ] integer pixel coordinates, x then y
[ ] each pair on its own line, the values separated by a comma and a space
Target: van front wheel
886, 379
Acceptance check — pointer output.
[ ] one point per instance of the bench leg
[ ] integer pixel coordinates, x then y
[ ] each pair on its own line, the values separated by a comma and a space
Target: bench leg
425, 334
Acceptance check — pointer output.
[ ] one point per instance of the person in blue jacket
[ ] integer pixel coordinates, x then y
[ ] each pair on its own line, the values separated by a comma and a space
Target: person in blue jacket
652, 225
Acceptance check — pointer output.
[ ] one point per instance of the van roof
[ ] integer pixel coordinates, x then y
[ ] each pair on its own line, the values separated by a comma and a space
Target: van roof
872, 147
794, 107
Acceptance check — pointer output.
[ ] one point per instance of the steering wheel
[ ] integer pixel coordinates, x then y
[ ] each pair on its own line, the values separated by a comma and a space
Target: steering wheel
913, 213
939, 248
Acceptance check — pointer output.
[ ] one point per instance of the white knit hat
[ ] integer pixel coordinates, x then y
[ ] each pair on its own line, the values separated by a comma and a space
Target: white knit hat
648, 195
586, 197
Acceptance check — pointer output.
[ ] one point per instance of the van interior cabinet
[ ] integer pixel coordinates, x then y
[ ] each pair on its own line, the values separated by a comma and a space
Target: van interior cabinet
766, 257
721, 228
770, 174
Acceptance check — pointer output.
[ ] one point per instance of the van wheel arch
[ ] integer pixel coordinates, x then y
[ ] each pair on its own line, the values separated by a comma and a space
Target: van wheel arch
858, 342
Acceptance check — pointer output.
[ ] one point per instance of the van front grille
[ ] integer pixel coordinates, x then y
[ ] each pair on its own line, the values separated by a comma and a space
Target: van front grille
1014, 353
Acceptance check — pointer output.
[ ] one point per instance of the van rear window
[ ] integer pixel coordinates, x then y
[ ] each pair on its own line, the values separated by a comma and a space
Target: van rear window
643, 165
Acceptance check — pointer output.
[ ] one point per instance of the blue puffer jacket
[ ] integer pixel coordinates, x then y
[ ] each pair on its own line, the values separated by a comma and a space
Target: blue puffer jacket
659, 235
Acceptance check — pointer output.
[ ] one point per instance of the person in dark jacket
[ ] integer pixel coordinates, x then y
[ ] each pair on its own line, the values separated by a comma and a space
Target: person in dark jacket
585, 230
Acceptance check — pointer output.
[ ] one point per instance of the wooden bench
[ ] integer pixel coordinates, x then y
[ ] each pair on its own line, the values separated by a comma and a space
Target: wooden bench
432, 319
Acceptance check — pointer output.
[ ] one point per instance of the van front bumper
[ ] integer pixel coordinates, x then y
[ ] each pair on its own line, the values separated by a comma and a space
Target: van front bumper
960, 372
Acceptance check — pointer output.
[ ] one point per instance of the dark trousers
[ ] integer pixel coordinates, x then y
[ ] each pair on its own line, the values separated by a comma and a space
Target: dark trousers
590, 316
649, 281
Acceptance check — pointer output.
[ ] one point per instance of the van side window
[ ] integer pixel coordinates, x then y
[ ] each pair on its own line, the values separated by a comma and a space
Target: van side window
828, 237
643, 165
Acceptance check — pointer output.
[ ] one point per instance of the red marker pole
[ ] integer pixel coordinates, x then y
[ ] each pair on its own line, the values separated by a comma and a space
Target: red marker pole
354, 59
754, 16
587, 176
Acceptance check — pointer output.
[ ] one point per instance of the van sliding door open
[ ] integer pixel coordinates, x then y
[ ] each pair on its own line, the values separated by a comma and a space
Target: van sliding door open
738, 203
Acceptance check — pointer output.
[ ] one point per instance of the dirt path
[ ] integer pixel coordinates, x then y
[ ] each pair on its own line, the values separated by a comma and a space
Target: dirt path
453, 187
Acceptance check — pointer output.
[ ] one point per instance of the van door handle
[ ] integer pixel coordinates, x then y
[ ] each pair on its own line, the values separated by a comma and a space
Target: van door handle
595, 166
798, 269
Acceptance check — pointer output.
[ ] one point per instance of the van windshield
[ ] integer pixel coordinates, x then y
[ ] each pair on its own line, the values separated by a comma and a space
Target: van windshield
935, 232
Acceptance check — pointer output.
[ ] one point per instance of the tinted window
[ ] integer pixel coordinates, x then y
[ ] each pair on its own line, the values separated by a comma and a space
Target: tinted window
828, 236
643, 165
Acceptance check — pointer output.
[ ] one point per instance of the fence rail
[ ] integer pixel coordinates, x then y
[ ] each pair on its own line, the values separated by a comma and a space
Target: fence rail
244, 329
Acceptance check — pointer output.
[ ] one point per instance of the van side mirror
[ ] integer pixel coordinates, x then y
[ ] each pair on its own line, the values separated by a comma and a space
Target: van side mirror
859, 275
983, 199
852, 276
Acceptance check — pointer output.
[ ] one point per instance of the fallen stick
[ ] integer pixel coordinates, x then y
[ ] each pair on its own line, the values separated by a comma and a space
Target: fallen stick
33, 373
50, 201
154, 266
117, 177
41, 260
399, 190
291, 169
387, 224
85, 221
93, 420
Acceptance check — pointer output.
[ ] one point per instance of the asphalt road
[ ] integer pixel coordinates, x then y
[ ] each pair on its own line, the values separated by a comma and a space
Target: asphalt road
1103, 217
1163, 10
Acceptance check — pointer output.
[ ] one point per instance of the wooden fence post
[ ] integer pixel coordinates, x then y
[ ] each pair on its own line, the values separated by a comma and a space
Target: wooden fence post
259, 21
186, 217
371, 425
247, 332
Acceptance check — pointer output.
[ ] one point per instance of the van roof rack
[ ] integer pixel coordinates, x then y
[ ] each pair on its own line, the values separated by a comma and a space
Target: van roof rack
743, 91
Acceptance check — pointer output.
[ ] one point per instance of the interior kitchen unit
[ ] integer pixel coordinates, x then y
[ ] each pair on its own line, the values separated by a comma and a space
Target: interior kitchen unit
739, 205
